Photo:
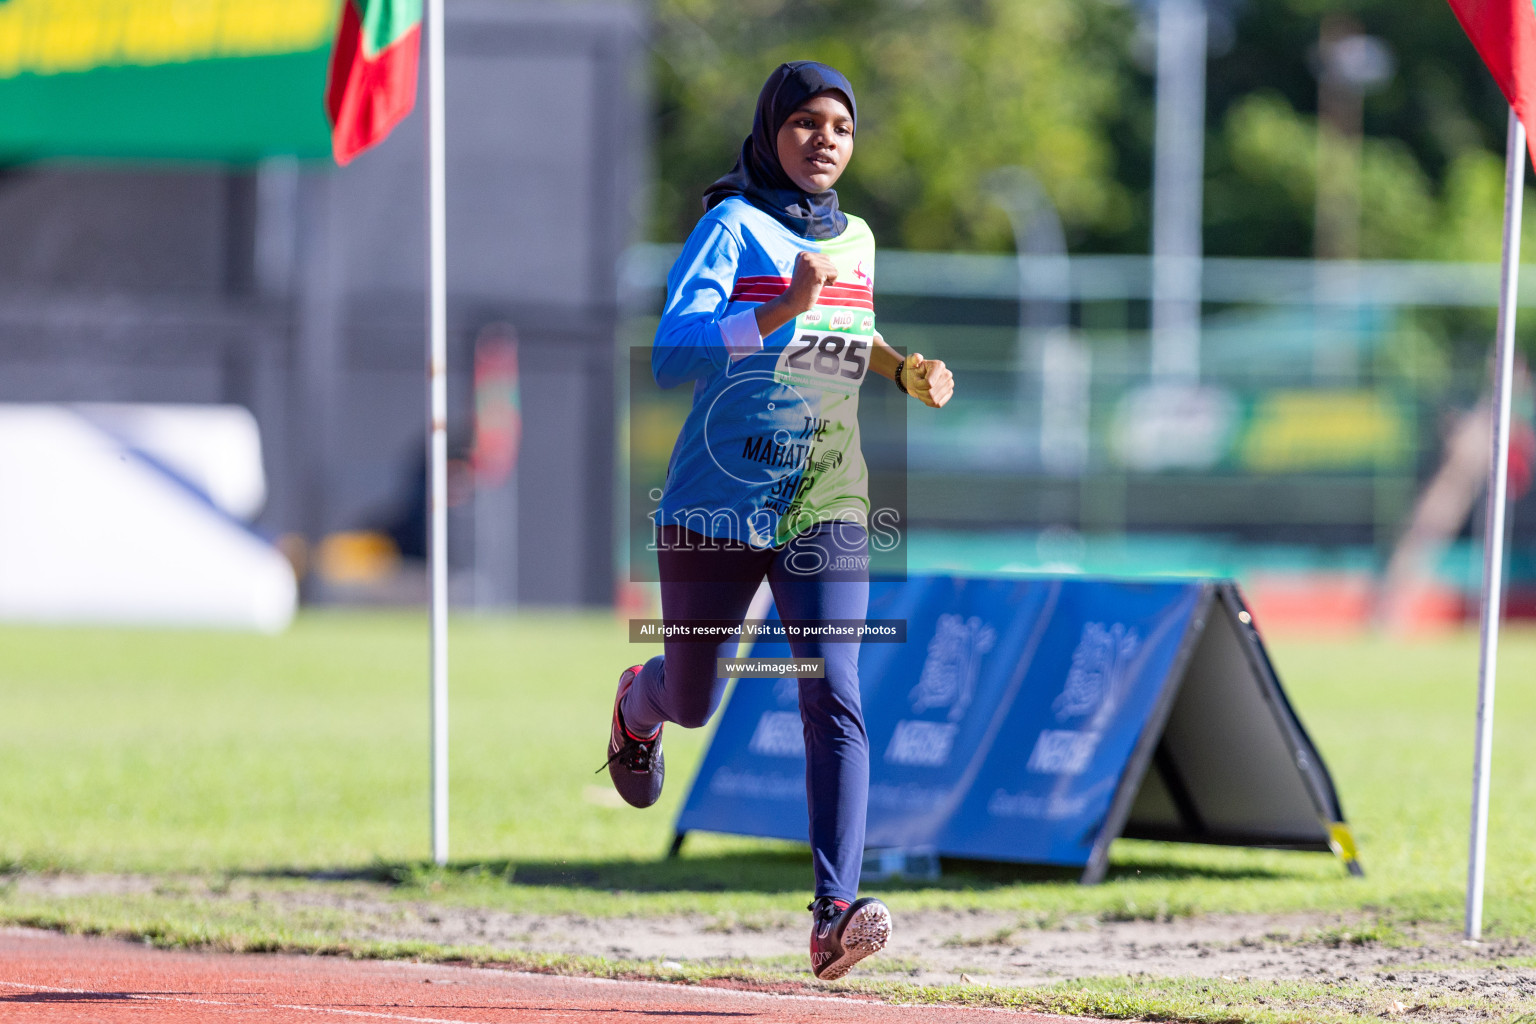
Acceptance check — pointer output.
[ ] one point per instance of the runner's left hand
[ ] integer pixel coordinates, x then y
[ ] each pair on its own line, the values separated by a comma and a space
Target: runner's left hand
928, 380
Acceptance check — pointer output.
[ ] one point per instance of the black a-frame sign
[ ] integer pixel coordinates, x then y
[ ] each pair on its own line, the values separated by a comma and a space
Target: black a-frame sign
1036, 719
1224, 759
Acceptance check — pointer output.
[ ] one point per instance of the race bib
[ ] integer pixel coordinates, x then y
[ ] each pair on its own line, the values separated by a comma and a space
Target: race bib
829, 351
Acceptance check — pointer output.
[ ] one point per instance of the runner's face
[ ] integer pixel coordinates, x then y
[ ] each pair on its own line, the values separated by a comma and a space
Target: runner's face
815, 142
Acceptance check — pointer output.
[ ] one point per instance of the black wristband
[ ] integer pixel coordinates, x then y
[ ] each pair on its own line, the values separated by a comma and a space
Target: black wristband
900, 386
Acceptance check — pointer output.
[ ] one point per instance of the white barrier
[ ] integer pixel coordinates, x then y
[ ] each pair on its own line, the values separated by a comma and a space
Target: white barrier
131, 515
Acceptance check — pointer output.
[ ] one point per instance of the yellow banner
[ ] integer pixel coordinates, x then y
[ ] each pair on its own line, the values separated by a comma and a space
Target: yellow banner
47, 37
1293, 431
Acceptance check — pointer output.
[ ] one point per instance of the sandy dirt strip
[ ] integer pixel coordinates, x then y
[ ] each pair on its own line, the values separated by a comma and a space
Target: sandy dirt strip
929, 947
1417, 966
45, 977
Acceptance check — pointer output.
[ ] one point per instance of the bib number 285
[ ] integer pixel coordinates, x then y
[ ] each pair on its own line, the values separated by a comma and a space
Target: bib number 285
829, 355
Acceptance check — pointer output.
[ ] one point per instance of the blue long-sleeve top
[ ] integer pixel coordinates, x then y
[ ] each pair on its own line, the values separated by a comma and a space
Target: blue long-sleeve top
771, 443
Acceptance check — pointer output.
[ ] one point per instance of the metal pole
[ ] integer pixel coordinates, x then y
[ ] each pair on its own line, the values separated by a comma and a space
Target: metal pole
1493, 531
437, 444
1037, 233
320, 276
1178, 170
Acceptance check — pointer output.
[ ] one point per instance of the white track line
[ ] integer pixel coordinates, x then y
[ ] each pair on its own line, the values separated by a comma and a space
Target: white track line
385, 1016
247, 1006
535, 976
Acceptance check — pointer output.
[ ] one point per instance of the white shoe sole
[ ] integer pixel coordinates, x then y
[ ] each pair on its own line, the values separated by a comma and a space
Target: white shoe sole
865, 934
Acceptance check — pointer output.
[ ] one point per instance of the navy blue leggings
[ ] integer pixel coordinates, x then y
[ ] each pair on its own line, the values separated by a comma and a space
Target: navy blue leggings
821, 574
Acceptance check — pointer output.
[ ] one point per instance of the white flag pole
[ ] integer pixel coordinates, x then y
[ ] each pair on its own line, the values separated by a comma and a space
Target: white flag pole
1493, 533
437, 438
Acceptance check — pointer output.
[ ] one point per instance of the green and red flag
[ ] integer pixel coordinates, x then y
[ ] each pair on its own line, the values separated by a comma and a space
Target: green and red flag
212, 80
1504, 33
372, 84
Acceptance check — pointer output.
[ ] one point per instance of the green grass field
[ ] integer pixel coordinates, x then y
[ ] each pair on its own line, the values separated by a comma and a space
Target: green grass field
205, 752
219, 755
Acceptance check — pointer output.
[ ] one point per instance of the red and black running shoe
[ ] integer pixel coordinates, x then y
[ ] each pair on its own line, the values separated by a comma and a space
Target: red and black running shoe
842, 934
634, 762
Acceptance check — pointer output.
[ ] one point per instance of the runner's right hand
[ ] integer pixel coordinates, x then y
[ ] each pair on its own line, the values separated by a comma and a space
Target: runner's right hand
813, 270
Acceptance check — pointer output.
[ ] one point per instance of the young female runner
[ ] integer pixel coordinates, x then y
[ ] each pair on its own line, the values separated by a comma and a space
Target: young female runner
770, 314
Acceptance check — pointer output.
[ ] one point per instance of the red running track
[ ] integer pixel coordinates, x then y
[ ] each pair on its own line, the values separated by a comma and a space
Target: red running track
48, 978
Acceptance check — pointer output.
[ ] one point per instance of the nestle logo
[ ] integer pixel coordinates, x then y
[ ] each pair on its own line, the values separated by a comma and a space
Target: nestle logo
1062, 752
923, 744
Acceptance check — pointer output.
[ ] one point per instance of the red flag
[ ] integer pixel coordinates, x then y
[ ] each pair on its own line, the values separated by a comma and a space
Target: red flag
372, 81
1504, 33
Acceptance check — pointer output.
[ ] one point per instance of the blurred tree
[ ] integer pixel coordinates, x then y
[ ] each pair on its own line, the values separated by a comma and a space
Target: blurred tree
952, 90
1261, 196
1431, 169
949, 91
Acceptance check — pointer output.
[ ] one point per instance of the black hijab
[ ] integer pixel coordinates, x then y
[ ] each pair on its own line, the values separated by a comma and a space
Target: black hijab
759, 178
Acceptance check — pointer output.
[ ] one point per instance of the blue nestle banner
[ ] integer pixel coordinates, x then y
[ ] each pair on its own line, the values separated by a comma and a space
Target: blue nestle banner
1001, 729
